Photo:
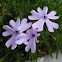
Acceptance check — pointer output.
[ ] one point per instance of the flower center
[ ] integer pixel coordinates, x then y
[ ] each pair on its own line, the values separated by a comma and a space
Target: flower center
33, 35
44, 17
16, 32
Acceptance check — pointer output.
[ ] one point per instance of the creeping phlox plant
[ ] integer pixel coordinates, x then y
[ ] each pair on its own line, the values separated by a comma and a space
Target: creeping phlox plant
29, 38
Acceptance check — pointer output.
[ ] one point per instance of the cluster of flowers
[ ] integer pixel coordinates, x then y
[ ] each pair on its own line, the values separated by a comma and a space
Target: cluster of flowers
30, 37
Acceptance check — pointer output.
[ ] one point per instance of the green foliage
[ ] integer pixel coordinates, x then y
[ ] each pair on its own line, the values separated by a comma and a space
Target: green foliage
49, 42
18, 58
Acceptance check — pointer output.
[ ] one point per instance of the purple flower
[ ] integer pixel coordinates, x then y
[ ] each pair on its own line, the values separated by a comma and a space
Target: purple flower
42, 18
31, 38
16, 29
22, 38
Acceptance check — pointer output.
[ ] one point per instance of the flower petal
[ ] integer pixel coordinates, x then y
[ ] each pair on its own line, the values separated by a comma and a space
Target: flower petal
9, 42
21, 41
24, 21
38, 25
12, 23
33, 12
14, 45
18, 22
53, 17
7, 33
6, 27
50, 28
39, 10
29, 31
52, 13
24, 25
26, 42
45, 9
33, 47
22, 35
27, 48
34, 17
54, 25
